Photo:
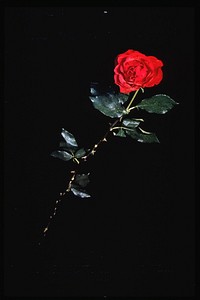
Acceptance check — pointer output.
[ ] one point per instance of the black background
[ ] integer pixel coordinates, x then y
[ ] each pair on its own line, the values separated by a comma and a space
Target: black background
135, 235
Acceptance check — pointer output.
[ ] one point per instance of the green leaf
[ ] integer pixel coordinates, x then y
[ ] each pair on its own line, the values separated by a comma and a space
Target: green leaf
79, 192
64, 155
69, 139
81, 152
63, 144
159, 104
142, 136
120, 133
132, 123
122, 98
110, 104
97, 90
82, 179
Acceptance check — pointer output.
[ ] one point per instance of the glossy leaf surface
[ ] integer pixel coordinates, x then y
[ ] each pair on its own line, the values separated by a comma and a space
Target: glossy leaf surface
79, 192
97, 90
82, 179
142, 137
64, 155
132, 123
120, 133
110, 104
69, 139
159, 104
81, 152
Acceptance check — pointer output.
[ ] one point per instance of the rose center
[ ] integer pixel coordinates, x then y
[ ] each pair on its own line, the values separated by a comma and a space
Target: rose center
136, 73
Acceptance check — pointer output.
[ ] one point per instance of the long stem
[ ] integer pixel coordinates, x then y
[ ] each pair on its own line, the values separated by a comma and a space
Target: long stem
58, 201
135, 94
103, 139
84, 158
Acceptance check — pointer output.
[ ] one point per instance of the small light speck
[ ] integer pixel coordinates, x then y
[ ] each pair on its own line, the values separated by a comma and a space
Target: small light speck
45, 229
105, 11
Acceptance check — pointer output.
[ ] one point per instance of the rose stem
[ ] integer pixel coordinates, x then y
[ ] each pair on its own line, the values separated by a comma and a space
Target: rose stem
84, 158
135, 94
58, 201
103, 139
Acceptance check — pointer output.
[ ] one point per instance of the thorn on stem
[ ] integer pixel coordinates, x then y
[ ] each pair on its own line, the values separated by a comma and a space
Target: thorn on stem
45, 229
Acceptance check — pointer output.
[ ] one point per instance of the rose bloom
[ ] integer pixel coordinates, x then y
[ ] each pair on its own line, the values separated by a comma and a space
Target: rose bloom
135, 70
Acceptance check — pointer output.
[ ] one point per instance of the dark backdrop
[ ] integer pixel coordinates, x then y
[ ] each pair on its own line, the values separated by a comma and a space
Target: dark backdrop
135, 235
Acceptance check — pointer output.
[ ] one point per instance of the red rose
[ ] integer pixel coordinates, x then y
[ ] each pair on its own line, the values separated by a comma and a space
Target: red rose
135, 70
